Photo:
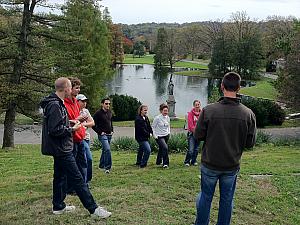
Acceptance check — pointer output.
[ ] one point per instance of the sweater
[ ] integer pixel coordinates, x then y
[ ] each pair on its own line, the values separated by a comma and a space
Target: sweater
161, 126
227, 128
73, 110
103, 122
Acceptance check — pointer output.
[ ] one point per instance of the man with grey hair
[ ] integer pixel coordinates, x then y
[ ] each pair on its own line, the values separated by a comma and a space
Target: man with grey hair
57, 141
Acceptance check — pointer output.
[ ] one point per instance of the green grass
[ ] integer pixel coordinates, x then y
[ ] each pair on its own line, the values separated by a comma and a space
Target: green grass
174, 123
20, 119
147, 59
263, 89
190, 65
287, 124
198, 73
151, 195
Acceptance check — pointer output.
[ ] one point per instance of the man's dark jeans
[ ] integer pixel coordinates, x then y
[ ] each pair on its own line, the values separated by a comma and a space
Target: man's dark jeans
162, 155
80, 158
65, 167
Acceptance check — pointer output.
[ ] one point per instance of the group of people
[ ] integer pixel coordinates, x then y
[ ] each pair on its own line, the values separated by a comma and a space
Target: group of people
160, 130
225, 127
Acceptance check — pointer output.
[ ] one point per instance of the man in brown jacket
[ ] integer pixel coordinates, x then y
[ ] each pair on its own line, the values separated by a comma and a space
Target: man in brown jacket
227, 128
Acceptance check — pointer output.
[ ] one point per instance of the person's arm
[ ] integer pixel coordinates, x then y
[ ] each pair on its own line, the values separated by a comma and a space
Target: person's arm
190, 122
56, 126
90, 121
251, 136
96, 121
154, 125
201, 127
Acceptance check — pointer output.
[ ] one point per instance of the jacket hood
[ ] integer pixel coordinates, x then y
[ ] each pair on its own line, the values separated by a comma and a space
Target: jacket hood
52, 97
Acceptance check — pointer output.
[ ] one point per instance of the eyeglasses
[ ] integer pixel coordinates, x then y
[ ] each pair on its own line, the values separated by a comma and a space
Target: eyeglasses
106, 103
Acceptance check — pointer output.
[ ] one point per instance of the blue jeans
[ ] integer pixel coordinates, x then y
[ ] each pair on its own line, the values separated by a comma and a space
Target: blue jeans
143, 153
65, 168
105, 159
192, 153
227, 184
89, 159
79, 155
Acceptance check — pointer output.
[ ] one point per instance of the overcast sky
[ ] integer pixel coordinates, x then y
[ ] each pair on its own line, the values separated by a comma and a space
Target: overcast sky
181, 11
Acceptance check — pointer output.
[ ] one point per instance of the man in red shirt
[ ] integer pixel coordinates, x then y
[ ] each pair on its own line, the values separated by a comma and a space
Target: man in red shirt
73, 110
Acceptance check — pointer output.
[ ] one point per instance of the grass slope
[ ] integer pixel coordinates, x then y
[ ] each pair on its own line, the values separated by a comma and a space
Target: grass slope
151, 195
262, 89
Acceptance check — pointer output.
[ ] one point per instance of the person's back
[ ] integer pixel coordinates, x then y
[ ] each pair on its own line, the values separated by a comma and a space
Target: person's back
230, 127
226, 127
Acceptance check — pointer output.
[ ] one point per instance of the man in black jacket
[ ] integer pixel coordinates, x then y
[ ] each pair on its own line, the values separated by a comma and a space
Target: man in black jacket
104, 128
57, 141
227, 128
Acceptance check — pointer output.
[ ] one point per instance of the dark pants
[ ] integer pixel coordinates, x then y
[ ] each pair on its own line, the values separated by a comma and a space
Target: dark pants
162, 155
80, 158
65, 167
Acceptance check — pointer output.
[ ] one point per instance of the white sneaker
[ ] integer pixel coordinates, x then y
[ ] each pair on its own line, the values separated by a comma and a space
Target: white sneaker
165, 166
195, 164
67, 209
187, 164
101, 213
107, 171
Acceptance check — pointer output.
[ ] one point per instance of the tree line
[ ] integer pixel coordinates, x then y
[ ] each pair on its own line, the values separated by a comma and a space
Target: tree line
239, 44
37, 46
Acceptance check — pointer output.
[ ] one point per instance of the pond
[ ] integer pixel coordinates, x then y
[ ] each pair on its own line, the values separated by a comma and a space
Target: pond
150, 87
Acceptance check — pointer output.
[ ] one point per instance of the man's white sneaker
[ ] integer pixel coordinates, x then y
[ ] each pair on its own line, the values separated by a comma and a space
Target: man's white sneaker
101, 213
67, 209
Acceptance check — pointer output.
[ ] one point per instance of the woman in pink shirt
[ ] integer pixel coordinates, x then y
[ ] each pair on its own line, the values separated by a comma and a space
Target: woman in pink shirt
192, 153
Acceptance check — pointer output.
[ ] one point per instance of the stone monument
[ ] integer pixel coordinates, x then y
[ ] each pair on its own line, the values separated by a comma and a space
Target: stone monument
171, 100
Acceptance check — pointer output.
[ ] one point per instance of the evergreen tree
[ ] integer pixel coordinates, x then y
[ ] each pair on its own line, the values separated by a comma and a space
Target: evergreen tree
87, 54
26, 60
160, 49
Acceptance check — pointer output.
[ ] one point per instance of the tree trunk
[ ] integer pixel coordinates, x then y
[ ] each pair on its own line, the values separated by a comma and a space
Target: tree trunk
15, 79
9, 126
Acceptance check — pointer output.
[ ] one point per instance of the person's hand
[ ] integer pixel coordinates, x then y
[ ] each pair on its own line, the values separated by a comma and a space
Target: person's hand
102, 133
72, 122
76, 126
82, 118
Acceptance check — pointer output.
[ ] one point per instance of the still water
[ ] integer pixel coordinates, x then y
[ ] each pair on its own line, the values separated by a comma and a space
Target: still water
150, 87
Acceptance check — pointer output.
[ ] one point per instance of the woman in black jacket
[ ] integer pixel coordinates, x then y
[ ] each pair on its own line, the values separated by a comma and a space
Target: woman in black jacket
142, 134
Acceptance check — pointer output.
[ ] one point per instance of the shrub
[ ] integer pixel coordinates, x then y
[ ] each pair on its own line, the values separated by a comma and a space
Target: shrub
262, 138
124, 107
124, 144
267, 112
178, 143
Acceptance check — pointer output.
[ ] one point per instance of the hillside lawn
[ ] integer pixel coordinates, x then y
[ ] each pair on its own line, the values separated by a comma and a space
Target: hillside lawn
148, 59
263, 89
151, 195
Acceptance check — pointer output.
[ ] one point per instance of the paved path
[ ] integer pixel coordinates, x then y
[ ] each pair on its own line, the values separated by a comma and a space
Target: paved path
31, 134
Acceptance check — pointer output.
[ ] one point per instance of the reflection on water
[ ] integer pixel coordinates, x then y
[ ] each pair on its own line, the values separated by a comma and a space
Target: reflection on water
150, 87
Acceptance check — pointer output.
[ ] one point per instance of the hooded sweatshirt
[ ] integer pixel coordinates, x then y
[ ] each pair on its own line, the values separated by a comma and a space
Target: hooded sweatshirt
73, 110
56, 133
193, 117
